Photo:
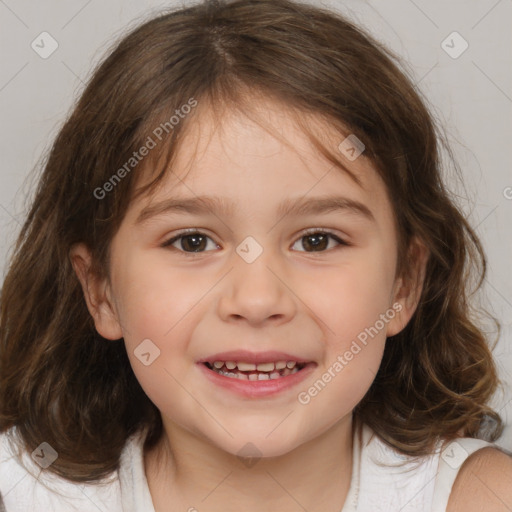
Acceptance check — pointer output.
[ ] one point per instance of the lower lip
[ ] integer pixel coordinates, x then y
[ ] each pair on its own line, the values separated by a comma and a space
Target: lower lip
257, 388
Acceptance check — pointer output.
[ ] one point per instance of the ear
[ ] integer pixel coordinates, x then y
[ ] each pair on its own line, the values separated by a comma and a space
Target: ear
408, 287
97, 293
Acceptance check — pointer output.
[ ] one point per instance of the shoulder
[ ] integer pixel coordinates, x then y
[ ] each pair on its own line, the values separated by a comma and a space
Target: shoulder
27, 485
483, 483
10, 464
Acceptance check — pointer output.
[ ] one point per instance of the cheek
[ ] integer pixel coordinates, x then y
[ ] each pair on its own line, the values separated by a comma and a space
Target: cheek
353, 305
352, 297
156, 308
352, 381
152, 298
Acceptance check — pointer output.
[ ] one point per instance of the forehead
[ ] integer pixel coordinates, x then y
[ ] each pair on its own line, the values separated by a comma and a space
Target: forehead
262, 154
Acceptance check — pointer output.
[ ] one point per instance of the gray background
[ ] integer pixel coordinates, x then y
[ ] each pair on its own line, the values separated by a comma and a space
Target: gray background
471, 95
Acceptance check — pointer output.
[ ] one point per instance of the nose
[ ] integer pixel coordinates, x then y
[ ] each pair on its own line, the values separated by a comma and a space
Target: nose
257, 293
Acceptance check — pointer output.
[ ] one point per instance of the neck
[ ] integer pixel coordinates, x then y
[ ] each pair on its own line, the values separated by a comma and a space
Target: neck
189, 472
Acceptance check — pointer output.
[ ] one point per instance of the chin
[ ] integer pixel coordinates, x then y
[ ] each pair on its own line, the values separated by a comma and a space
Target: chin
252, 447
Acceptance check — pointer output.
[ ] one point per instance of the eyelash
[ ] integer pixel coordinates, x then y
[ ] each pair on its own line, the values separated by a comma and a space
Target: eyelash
312, 231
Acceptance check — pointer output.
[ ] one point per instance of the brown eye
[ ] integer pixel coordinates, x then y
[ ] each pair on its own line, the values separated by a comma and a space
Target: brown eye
197, 242
189, 242
318, 241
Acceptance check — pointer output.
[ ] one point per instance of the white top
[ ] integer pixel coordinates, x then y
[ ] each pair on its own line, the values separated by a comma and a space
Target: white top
398, 484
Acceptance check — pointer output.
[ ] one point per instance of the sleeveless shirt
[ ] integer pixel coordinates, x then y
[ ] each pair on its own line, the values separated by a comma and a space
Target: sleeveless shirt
383, 480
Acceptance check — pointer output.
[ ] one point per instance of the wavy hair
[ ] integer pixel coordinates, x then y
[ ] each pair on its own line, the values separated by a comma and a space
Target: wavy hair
62, 383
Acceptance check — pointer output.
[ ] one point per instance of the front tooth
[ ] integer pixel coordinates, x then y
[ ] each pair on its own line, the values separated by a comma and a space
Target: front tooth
290, 364
218, 364
264, 367
246, 367
230, 365
280, 365
275, 375
253, 376
263, 376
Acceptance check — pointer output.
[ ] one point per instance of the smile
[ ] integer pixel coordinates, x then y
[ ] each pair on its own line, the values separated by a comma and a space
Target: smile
256, 380
255, 372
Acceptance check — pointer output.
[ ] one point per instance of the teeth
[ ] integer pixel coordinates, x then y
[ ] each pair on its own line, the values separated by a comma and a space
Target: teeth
268, 371
249, 367
259, 376
263, 367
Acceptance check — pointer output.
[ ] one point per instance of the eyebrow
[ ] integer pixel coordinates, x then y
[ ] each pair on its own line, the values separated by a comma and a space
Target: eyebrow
299, 206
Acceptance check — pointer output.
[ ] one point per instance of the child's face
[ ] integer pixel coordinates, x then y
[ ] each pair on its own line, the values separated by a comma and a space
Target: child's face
312, 305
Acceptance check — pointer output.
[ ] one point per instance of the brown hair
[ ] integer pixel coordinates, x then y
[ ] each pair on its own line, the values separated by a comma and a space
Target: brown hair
60, 382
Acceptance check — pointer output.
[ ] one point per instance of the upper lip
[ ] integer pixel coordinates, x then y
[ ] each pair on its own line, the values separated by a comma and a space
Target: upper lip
253, 357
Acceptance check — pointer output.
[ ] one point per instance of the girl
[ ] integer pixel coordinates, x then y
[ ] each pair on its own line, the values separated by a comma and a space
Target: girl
243, 285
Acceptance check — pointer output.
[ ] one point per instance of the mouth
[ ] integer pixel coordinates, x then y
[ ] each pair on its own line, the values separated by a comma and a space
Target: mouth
256, 375
271, 370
